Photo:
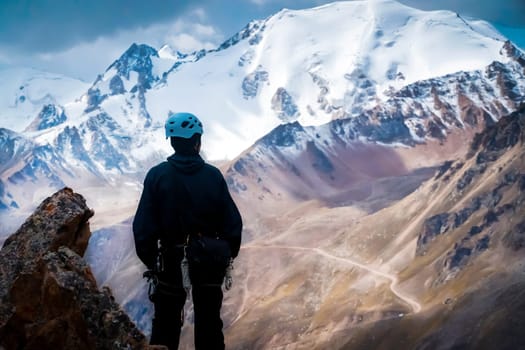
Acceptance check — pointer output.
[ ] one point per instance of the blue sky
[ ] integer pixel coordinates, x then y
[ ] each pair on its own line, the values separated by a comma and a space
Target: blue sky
82, 38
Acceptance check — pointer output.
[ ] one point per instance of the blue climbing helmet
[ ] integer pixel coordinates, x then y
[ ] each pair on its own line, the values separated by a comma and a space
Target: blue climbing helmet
183, 125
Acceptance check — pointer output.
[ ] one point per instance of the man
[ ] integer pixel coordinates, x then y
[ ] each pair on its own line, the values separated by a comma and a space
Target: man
184, 198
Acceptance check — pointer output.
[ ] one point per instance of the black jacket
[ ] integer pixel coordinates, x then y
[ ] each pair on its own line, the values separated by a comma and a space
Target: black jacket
180, 196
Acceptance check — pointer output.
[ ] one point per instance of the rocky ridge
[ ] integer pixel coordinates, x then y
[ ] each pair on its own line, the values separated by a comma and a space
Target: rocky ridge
49, 297
492, 205
454, 246
420, 113
468, 261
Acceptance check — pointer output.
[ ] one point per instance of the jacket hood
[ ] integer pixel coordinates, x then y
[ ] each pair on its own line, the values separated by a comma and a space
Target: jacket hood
186, 163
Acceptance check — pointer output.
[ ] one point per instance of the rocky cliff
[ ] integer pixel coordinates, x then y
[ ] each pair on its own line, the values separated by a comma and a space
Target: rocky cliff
439, 268
49, 298
468, 268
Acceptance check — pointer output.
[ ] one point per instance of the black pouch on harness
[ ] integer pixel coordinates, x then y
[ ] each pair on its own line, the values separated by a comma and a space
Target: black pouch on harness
206, 250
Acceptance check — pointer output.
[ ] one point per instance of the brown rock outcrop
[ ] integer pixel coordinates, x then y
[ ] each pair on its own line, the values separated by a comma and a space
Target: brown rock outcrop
48, 296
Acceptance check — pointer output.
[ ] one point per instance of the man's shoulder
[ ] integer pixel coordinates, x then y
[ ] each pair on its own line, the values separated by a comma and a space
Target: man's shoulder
165, 166
158, 168
212, 169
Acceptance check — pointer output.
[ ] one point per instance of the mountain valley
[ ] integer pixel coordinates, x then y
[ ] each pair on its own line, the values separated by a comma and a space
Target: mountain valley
381, 182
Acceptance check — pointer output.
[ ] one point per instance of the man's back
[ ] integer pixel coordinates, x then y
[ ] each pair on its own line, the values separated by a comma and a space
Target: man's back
184, 199
185, 194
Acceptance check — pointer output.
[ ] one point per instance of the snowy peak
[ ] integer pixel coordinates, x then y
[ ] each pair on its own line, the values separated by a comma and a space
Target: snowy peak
418, 113
252, 30
511, 51
135, 72
12, 146
378, 38
168, 52
50, 116
118, 78
24, 93
285, 135
137, 58
289, 68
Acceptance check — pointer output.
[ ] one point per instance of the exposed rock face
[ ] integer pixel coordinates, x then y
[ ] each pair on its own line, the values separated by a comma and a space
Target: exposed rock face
49, 297
478, 219
469, 262
51, 115
284, 105
495, 140
253, 82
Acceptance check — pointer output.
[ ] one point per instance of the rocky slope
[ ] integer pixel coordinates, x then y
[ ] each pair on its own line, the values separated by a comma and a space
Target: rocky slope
440, 268
330, 162
49, 297
467, 264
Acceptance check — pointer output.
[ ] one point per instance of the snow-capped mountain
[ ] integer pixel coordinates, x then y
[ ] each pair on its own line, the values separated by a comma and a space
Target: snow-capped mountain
25, 92
318, 105
323, 161
258, 79
359, 66
430, 270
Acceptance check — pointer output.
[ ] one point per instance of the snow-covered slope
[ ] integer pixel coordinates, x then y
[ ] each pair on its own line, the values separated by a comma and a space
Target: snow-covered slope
24, 92
310, 65
319, 162
319, 64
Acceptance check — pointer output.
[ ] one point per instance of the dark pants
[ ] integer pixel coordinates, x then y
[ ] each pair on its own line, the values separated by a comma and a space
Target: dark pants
168, 318
207, 301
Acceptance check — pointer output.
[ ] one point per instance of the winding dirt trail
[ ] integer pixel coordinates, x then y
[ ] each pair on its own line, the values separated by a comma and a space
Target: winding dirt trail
414, 304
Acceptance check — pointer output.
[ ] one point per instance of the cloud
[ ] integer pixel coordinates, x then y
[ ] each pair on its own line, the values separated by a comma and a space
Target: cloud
82, 38
52, 25
204, 30
187, 43
200, 13
86, 59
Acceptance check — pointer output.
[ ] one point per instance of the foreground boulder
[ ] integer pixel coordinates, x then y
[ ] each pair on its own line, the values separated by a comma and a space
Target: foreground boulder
49, 298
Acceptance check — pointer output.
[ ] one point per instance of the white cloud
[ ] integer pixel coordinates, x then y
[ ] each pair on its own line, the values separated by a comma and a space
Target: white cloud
200, 13
187, 43
85, 60
186, 34
204, 30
